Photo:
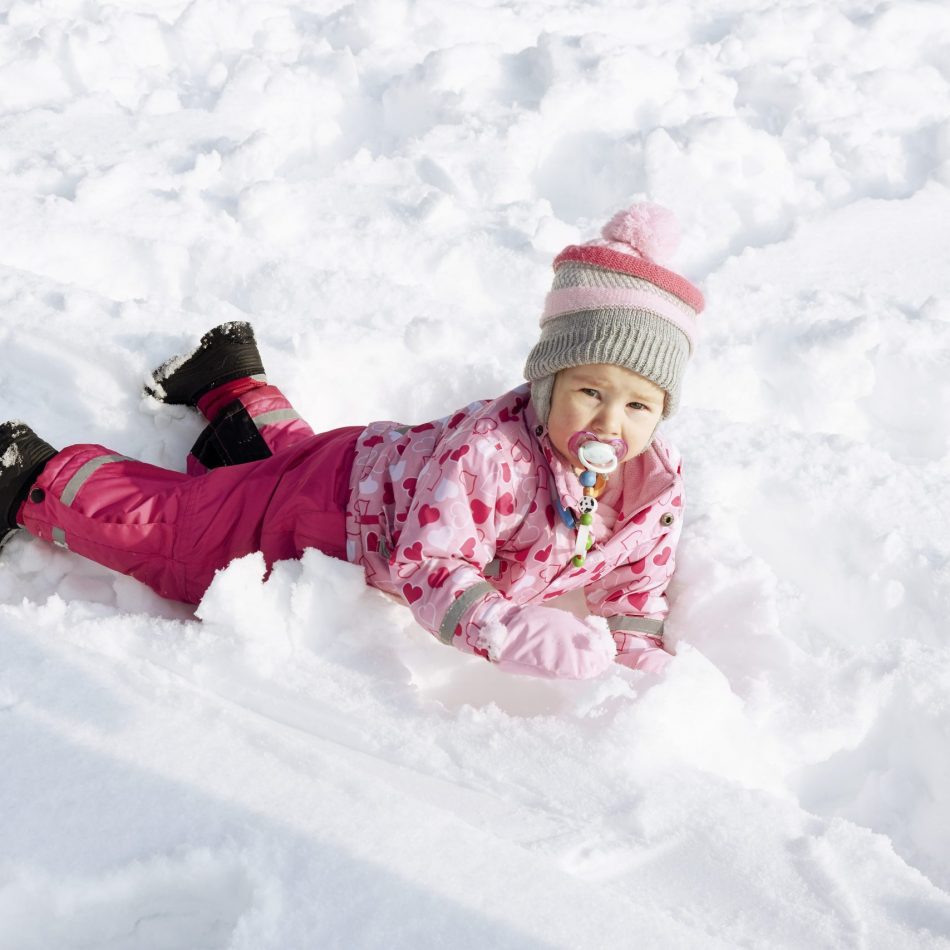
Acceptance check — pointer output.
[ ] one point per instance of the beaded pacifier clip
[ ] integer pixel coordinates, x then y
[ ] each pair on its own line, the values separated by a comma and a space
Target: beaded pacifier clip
600, 460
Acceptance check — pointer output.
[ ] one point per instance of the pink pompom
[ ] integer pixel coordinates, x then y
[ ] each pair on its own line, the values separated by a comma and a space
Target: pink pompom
650, 230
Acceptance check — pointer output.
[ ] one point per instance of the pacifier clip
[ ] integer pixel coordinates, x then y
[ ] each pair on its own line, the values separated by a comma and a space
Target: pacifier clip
600, 461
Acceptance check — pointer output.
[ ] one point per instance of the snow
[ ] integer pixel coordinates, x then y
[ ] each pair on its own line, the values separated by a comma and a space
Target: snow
380, 187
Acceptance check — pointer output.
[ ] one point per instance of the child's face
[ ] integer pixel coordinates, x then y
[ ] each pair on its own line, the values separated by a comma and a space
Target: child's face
610, 401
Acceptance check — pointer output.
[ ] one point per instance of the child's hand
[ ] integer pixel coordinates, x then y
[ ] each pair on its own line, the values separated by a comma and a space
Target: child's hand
643, 653
543, 641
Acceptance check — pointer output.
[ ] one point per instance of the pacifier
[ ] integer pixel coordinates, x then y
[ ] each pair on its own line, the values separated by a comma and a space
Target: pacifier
595, 455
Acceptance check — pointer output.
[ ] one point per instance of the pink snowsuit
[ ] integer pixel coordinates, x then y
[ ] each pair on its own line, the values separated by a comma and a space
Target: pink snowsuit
449, 515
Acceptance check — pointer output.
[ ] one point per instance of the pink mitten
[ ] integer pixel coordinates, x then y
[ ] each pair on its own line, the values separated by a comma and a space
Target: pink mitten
543, 641
643, 653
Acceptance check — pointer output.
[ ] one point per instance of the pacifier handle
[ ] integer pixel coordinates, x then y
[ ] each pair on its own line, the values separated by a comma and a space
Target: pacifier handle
605, 467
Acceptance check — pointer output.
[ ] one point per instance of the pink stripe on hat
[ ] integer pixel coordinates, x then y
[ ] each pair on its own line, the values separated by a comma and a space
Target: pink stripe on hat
573, 299
599, 256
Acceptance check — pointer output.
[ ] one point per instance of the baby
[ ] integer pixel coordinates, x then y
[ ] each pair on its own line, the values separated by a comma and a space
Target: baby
476, 520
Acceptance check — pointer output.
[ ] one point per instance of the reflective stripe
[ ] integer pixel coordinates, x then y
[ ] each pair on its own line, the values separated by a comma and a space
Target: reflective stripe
492, 568
454, 614
259, 378
277, 415
82, 476
636, 625
382, 548
59, 537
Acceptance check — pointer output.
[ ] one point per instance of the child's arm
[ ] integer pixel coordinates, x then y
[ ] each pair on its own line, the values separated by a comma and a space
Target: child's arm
448, 538
632, 598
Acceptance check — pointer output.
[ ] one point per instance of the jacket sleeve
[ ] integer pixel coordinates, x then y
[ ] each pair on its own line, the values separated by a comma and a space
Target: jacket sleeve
632, 597
448, 538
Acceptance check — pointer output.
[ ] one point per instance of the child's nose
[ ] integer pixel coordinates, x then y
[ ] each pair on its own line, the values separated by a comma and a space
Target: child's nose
607, 425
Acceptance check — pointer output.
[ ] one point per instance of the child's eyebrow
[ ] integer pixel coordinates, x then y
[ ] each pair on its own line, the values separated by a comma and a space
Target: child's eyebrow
644, 395
590, 379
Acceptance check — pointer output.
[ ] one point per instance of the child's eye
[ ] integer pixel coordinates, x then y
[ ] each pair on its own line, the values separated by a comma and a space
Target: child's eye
590, 392
637, 405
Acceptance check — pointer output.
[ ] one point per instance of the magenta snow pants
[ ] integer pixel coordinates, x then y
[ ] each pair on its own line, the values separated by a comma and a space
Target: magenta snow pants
259, 479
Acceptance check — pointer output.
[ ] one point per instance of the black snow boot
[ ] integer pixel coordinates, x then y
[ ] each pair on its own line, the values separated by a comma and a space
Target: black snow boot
226, 352
23, 454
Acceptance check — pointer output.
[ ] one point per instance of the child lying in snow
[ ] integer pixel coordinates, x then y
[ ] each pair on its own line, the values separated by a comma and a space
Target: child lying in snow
475, 520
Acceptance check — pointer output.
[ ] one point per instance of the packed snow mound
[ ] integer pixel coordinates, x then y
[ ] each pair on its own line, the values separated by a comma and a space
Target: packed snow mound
380, 187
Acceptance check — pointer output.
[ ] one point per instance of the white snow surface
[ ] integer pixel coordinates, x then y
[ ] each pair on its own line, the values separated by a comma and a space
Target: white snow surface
380, 186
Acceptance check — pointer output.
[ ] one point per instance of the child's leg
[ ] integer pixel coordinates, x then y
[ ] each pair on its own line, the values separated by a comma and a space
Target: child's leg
223, 377
136, 519
173, 532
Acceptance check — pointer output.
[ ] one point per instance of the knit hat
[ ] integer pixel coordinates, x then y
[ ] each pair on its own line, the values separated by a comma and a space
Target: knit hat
611, 302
